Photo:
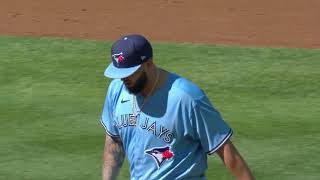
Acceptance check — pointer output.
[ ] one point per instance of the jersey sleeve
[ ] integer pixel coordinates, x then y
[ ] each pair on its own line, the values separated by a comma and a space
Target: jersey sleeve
208, 125
107, 118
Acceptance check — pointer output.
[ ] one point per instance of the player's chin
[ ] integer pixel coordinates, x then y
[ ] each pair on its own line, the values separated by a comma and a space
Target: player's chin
131, 89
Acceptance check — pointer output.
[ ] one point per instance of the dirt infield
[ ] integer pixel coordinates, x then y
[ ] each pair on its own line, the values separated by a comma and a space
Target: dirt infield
289, 23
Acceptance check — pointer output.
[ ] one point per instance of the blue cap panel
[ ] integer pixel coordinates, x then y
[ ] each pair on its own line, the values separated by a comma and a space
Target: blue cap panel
126, 54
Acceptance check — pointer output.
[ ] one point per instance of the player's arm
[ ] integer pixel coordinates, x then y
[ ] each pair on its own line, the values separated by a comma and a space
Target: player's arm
234, 162
113, 158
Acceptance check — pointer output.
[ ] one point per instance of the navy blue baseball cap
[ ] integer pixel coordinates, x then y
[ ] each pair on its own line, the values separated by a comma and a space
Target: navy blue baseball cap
127, 55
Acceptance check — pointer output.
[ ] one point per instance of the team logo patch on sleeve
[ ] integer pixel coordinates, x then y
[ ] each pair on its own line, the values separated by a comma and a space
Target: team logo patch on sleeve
160, 154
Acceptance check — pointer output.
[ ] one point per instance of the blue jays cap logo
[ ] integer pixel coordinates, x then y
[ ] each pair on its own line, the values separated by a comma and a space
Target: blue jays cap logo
119, 58
160, 154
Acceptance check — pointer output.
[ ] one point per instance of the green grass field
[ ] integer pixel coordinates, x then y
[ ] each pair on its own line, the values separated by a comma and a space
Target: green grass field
52, 91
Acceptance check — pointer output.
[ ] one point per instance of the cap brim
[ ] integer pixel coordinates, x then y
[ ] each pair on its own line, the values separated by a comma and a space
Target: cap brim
118, 73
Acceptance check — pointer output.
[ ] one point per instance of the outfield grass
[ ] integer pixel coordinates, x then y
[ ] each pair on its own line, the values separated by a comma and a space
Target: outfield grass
52, 91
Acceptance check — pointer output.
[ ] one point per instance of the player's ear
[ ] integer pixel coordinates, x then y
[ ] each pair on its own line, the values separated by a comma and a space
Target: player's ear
148, 63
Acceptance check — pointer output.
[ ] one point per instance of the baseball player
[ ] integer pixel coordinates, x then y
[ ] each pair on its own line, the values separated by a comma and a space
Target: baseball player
163, 123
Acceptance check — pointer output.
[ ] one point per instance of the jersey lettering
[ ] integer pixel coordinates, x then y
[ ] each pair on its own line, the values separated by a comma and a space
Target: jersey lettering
163, 131
152, 128
145, 124
168, 138
129, 120
124, 120
132, 120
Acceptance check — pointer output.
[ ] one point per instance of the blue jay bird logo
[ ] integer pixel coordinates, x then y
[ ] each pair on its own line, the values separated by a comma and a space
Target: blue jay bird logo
160, 154
119, 58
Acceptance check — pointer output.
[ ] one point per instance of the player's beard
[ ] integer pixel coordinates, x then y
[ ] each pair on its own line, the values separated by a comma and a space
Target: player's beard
139, 84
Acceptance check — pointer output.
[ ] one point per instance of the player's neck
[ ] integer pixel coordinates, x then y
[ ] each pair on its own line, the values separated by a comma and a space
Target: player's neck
153, 82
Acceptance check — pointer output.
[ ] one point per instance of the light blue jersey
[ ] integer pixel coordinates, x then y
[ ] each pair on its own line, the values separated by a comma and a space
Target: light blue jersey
171, 137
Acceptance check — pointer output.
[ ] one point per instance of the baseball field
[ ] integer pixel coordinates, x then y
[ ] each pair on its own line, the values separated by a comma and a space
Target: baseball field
258, 62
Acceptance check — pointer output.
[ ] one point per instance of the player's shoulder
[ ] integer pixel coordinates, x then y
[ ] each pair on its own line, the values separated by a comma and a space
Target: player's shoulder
115, 86
186, 88
115, 83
